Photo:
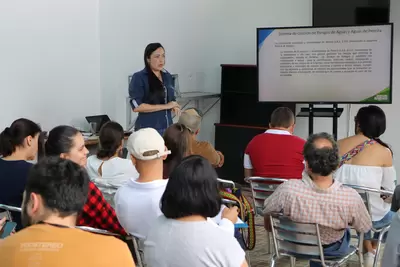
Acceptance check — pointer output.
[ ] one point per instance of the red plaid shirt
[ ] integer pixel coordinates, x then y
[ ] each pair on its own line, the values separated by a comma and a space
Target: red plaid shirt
97, 213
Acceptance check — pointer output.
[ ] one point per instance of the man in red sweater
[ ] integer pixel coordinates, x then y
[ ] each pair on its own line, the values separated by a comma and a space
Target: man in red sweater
277, 153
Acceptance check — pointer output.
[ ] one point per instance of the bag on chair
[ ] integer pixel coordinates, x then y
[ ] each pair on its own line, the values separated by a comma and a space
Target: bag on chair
246, 214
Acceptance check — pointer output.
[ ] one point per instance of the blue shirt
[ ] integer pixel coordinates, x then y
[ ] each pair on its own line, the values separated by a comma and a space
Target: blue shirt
13, 176
139, 91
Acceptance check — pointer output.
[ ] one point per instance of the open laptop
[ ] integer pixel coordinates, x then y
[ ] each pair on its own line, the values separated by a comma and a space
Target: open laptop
100, 120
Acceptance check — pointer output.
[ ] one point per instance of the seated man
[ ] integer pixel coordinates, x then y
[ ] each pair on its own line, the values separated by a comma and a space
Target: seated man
55, 193
191, 118
277, 153
138, 202
317, 198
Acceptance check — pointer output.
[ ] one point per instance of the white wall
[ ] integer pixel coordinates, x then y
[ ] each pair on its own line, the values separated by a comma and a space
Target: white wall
198, 36
49, 61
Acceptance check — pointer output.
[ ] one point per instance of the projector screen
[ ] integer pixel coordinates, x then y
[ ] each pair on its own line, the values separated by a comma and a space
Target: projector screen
351, 64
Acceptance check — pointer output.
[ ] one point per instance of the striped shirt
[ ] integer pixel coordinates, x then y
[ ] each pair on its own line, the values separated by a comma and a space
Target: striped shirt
334, 209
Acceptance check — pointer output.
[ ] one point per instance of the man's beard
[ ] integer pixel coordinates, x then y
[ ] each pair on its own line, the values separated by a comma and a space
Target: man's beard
25, 219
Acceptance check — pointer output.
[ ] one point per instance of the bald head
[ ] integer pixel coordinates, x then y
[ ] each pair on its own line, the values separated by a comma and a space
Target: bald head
321, 154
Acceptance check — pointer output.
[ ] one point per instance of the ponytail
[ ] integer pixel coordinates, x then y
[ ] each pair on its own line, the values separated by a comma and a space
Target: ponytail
14, 136
6, 143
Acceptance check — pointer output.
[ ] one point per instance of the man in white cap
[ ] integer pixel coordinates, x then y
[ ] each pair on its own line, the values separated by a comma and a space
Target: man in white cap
138, 202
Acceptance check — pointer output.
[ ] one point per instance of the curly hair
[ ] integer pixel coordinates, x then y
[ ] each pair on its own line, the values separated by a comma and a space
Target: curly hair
322, 161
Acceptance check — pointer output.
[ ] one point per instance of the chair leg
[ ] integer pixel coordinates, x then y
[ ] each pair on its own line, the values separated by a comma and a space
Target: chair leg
248, 258
268, 243
273, 259
292, 261
378, 248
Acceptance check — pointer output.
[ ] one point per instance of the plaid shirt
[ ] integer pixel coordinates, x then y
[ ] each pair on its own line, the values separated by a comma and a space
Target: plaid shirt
334, 209
97, 213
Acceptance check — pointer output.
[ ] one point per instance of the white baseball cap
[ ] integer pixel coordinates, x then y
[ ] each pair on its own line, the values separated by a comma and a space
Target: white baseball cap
146, 140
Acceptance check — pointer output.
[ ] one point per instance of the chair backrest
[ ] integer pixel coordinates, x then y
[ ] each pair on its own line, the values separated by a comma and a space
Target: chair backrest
292, 238
365, 194
226, 183
131, 241
9, 208
97, 231
261, 189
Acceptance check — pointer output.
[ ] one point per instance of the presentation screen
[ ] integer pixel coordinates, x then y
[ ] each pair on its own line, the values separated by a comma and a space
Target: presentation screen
351, 64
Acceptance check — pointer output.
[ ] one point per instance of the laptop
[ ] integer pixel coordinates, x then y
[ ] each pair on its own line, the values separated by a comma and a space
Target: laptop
100, 120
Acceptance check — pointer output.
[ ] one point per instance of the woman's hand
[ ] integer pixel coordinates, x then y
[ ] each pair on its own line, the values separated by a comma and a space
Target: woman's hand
231, 214
172, 105
176, 111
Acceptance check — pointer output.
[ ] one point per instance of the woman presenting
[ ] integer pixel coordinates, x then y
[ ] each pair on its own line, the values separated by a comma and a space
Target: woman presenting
152, 92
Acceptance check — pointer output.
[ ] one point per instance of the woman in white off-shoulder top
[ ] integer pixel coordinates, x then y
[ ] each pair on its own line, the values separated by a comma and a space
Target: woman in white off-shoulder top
368, 161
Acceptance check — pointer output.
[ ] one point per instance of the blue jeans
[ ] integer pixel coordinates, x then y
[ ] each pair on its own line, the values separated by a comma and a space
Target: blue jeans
337, 249
385, 221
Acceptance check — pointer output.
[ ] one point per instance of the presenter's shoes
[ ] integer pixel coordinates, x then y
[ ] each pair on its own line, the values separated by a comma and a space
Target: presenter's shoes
369, 258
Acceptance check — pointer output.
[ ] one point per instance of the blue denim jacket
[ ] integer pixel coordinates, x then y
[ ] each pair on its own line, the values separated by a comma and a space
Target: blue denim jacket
138, 92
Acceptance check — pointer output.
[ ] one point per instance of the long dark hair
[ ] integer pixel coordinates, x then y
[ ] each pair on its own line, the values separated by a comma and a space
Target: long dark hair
110, 138
14, 136
156, 87
177, 139
371, 122
60, 140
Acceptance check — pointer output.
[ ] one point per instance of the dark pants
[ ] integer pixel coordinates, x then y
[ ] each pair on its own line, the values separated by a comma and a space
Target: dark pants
338, 249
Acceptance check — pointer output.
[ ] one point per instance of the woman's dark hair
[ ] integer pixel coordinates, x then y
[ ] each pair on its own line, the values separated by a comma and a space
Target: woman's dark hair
371, 122
60, 140
14, 136
110, 137
156, 87
177, 139
192, 189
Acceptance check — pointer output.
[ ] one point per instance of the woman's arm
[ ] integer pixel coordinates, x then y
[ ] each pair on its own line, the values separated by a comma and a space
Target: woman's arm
151, 108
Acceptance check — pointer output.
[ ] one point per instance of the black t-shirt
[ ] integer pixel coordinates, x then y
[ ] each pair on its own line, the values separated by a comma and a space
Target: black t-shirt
13, 176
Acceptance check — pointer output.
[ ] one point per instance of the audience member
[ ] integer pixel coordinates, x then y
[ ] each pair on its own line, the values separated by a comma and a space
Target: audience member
190, 198
68, 143
191, 118
55, 193
178, 140
107, 169
138, 202
277, 153
318, 198
18, 143
367, 161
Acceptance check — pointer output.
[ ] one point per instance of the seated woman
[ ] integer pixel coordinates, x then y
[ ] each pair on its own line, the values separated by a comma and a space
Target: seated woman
67, 142
192, 196
177, 139
18, 144
367, 161
107, 169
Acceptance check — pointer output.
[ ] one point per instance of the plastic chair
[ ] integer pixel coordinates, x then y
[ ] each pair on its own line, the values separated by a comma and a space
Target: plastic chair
261, 189
364, 193
303, 240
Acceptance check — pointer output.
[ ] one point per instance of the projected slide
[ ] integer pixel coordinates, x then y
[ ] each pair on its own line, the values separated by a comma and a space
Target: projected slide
325, 65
